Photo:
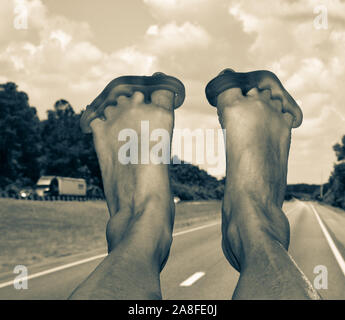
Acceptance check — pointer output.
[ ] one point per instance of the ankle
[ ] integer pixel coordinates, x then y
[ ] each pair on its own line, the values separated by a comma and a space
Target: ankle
145, 229
252, 189
249, 227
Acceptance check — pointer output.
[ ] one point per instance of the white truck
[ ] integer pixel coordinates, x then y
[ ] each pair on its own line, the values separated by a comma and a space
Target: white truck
60, 186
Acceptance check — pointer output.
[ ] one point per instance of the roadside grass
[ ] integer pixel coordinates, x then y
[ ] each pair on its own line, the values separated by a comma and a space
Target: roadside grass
33, 232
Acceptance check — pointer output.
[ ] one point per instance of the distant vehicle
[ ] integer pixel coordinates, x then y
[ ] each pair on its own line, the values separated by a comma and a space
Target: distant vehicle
60, 186
177, 199
26, 193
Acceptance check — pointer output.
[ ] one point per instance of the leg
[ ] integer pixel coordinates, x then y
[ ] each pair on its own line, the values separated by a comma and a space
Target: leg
139, 231
255, 229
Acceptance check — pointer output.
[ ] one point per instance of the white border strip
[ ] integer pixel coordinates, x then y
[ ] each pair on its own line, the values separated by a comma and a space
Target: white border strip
331, 244
76, 263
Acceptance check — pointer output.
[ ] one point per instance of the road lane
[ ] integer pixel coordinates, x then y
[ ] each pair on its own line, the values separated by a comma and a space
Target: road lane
200, 251
309, 248
194, 252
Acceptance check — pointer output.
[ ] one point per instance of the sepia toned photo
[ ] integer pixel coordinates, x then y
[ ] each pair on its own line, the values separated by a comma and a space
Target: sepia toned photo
175, 150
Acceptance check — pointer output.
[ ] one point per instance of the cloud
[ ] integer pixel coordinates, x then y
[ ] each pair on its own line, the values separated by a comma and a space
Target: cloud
250, 22
173, 8
173, 37
310, 63
56, 57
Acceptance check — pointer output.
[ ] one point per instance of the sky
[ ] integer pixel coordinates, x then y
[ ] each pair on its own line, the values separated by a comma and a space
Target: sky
71, 49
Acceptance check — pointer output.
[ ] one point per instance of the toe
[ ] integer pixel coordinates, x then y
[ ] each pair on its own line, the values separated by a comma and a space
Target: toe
253, 92
123, 99
226, 71
289, 118
96, 126
158, 74
292, 107
138, 97
271, 82
265, 94
277, 104
163, 98
229, 96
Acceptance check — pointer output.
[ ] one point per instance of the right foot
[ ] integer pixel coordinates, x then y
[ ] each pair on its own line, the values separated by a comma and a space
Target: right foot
258, 137
255, 229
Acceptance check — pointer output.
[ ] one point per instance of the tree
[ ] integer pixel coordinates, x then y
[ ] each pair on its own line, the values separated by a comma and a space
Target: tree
19, 137
66, 150
336, 190
189, 182
340, 149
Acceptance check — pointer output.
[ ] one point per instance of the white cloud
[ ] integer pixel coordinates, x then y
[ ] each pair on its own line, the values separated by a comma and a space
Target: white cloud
311, 65
174, 37
62, 37
250, 22
152, 30
56, 57
175, 6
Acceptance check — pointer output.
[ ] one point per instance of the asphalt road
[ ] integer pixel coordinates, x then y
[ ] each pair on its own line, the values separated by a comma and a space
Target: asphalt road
197, 269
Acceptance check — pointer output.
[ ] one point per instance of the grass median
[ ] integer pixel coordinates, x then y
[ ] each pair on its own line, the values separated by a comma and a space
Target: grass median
34, 232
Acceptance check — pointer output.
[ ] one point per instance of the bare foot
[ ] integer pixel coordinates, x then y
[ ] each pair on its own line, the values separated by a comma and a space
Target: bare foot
255, 229
139, 231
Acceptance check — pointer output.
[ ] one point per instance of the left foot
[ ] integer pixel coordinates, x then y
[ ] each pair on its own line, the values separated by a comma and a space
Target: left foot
139, 231
131, 188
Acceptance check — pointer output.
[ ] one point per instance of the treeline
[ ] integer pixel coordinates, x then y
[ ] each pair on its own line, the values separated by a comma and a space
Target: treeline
333, 191
30, 148
303, 191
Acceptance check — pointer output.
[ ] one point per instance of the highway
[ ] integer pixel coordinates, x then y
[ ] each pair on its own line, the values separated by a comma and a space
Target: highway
197, 268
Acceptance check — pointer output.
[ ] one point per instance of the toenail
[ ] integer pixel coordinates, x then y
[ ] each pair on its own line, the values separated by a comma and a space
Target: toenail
266, 93
121, 100
289, 118
253, 92
164, 98
158, 74
138, 96
277, 103
226, 71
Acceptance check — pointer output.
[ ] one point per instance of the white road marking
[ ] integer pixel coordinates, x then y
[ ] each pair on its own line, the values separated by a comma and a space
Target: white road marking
65, 266
196, 228
76, 263
192, 279
331, 244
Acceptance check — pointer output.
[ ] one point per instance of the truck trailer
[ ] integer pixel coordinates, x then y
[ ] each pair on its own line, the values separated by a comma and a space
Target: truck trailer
60, 186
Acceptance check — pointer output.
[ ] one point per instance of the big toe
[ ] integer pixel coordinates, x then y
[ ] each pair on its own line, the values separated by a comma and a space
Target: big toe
225, 71
163, 98
269, 80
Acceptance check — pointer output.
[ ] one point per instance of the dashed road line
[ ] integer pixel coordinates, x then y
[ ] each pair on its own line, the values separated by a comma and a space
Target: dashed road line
192, 279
